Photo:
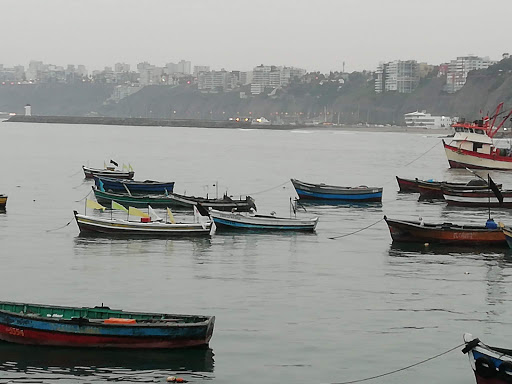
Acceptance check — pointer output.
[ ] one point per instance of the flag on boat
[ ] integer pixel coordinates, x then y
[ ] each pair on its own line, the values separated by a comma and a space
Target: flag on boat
201, 215
116, 205
94, 205
495, 189
154, 216
202, 210
130, 167
132, 211
113, 162
171, 217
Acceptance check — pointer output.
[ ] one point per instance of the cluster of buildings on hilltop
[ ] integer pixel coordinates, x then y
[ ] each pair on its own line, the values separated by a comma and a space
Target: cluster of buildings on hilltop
261, 77
404, 76
395, 76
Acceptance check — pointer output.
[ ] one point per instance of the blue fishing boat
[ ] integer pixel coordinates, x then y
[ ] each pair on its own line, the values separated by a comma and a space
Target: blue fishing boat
491, 365
237, 220
100, 327
132, 186
308, 191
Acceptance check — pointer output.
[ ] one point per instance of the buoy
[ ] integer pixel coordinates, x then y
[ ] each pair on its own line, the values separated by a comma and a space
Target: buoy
174, 379
466, 273
426, 244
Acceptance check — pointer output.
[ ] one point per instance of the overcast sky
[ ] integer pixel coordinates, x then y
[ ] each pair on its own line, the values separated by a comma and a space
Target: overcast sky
240, 34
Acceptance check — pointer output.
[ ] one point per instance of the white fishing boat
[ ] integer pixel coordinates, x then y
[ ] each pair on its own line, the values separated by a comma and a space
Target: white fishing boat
109, 171
148, 225
472, 145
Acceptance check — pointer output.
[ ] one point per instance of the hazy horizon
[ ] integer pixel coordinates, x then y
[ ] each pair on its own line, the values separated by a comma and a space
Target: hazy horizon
317, 36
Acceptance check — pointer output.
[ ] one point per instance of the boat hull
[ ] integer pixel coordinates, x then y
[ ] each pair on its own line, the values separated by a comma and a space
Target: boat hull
90, 173
307, 191
446, 233
3, 202
508, 235
489, 364
461, 158
93, 225
258, 222
407, 185
483, 198
28, 329
135, 187
435, 190
430, 190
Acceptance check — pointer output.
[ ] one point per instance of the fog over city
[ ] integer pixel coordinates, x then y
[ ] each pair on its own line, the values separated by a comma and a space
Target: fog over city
315, 35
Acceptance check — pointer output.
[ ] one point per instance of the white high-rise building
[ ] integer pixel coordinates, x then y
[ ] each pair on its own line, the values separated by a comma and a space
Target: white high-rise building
459, 68
399, 76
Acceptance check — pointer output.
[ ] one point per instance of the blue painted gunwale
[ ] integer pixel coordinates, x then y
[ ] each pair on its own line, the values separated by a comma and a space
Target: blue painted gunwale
236, 224
178, 330
134, 186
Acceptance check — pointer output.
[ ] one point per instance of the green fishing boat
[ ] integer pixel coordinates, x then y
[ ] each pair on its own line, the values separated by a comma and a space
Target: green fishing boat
174, 200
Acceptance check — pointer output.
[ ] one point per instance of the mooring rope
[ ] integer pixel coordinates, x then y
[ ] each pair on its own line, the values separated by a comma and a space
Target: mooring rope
267, 190
83, 182
423, 154
64, 226
76, 173
351, 233
400, 369
83, 198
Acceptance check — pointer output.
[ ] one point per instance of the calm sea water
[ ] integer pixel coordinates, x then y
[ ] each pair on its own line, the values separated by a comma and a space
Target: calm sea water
290, 308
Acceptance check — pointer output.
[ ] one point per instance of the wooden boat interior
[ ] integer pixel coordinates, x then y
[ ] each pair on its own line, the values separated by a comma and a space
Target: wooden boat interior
101, 313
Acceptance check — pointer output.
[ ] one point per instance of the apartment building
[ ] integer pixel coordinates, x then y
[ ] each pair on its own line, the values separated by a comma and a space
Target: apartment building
214, 80
399, 76
459, 68
273, 76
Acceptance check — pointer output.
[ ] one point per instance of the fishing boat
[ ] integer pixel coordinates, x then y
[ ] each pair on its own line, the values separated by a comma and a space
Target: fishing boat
477, 198
430, 190
236, 220
407, 185
491, 365
174, 200
101, 327
132, 186
445, 233
507, 231
3, 201
145, 227
107, 172
307, 191
472, 145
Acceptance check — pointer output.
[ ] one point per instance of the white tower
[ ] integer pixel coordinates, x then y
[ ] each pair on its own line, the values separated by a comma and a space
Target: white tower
28, 110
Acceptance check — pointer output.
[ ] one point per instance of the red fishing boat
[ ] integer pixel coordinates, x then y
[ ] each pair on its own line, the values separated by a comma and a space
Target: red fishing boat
446, 233
472, 145
407, 185
434, 189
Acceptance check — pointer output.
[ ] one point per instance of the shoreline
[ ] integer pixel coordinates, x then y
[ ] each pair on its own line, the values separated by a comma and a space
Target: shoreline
230, 124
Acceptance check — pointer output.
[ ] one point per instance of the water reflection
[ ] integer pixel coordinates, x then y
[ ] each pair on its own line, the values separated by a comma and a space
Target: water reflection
117, 245
472, 251
69, 362
341, 204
